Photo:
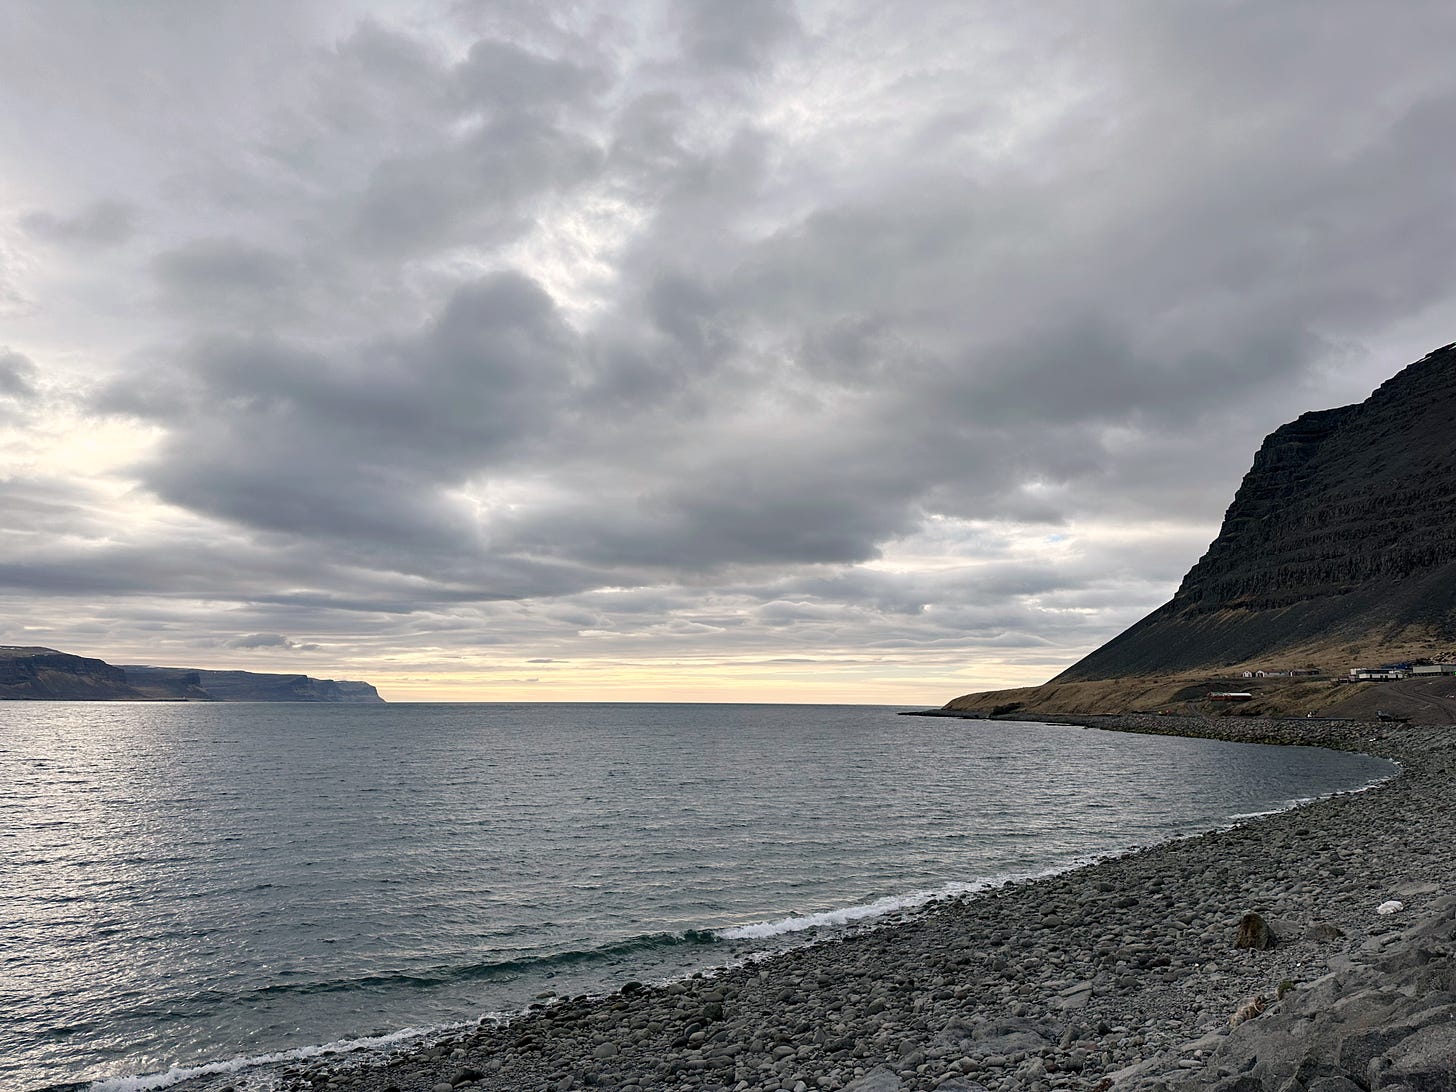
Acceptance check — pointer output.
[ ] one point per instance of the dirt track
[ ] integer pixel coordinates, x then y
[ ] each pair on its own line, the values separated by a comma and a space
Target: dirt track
1424, 701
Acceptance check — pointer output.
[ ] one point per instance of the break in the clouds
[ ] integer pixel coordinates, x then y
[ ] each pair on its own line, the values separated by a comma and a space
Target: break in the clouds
881, 354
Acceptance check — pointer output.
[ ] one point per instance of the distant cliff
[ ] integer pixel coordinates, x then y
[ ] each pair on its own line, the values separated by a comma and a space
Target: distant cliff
1340, 545
43, 674
253, 686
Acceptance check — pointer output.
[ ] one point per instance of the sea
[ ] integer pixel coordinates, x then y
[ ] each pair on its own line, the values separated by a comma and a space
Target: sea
204, 888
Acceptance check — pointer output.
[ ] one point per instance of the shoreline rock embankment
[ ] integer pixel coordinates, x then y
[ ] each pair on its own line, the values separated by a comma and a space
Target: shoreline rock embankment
1120, 974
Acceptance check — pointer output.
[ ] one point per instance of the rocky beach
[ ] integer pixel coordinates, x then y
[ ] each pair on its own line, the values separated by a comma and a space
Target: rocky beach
1120, 974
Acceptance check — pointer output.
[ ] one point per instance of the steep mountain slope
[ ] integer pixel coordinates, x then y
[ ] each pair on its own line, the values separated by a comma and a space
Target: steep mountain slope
1340, 545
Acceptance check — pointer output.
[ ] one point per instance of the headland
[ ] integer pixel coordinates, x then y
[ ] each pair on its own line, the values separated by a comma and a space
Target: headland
30, 673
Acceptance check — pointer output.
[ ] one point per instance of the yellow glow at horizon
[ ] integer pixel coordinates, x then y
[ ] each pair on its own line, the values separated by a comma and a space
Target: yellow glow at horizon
819, 682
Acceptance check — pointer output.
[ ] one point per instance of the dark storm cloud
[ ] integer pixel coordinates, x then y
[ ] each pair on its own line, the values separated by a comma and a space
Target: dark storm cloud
100, 224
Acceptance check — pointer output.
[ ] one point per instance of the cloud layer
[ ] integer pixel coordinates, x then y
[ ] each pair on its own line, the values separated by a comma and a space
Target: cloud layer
806, 344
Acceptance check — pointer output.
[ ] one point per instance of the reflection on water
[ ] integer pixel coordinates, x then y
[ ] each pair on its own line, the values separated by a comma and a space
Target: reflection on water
183, 883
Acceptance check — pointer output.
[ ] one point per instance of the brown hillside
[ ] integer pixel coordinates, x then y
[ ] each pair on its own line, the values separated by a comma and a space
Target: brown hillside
1339, 550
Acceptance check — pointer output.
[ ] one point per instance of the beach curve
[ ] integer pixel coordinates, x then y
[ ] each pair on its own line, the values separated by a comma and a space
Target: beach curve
1110, 970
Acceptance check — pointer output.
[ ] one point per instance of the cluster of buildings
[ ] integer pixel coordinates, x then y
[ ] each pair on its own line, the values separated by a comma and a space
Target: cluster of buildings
1399, 671
1385, 672
1282, 674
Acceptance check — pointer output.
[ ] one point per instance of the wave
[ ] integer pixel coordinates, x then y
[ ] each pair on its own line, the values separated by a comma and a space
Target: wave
236, 1065
846, 915
442, 976
490, 969
913, 900
1302, 801
841, 916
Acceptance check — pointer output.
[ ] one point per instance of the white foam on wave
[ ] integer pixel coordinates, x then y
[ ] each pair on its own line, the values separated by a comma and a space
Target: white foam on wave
846, 915
891, 904
1302, 801
145, 1082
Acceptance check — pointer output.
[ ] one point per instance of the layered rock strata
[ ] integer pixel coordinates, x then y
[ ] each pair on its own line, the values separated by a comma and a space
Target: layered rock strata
43, 674
1340, 542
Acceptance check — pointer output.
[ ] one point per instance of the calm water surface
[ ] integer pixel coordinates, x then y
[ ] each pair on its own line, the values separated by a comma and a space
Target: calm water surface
182, 885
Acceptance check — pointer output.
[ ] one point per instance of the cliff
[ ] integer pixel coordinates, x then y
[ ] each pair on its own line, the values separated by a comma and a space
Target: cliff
1339, 546
43, 674
254, 686
1339, 550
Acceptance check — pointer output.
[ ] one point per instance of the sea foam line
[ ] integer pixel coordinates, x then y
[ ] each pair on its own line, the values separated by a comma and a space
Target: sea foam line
149, 1081
1303, 801
891, 904
844, 915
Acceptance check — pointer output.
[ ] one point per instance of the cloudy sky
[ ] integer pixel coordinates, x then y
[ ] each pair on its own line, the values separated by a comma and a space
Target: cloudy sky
686, 349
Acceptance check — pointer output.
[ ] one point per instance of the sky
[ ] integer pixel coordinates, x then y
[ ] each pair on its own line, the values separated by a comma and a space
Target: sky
763, 351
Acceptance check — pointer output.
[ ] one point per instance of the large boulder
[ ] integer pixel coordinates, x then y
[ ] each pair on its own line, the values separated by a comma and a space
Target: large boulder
1384, 1018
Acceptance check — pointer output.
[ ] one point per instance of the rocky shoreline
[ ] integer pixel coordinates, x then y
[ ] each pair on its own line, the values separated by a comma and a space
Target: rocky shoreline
1121, 974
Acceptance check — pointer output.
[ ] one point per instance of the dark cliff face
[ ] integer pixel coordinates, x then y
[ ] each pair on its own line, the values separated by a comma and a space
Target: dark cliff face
43, 674
256, 686
1344, 528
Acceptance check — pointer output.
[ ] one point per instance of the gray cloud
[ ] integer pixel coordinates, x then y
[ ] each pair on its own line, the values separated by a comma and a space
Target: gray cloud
743, 36
505, 144
100, 224
17, 376
361, 446
260, 640
501, 78
225, 281
734, 330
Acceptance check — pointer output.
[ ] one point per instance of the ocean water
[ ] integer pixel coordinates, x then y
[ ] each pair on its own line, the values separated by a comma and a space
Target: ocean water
188, 885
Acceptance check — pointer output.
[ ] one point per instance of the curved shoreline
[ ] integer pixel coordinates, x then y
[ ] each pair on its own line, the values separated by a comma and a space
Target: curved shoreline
1057, 982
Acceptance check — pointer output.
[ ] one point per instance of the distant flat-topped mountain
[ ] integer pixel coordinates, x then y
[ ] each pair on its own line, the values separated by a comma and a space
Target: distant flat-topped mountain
43, 674
1338, 551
